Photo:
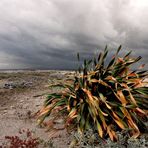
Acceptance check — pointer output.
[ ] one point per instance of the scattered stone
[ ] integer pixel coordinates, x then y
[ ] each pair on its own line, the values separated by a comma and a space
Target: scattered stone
18, 84
5, 111
26, 84
29, 114
10, 85
21, 101
19, 115
12, 107
59, 121
25, 106
11, 112
38, 105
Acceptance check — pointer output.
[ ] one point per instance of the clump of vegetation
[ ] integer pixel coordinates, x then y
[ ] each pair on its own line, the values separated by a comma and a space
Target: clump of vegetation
25, 139
89, 139
105, 97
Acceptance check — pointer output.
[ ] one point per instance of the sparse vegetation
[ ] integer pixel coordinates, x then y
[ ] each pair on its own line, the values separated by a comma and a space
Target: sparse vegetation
104, 97
89, 139
25, 139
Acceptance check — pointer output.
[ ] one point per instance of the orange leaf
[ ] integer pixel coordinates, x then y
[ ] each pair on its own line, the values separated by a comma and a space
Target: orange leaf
132, 74
72, 113
108, 106
121, 97
140, 110
111, 133
131, 123
88, 94
44, 110
119, 124
100, 131
132, 98
118, 121
110, 78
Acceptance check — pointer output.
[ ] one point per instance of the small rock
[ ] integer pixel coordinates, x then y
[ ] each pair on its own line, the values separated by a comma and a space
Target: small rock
10, 85
12, 107
28, 84
21, 101
4, 104
29, 114
25, 106
37, 105
59, 121
11, 112
59, 126
5, 111
19, 115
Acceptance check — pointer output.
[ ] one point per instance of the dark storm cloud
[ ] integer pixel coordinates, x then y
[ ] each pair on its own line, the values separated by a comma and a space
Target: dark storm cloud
49, 33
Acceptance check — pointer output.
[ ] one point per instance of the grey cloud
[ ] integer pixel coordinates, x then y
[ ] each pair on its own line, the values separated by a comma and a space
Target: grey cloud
49, 33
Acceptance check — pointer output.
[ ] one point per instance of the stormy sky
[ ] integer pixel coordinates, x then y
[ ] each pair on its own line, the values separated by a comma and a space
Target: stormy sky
47, 34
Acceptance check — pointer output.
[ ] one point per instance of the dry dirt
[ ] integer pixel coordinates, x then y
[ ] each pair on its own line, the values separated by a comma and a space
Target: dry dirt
22, 94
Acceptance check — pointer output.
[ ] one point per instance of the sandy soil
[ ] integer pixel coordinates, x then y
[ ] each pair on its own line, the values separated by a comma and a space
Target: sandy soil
21, 96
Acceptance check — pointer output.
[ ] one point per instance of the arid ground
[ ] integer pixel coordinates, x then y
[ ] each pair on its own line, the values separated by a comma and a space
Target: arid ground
22, 94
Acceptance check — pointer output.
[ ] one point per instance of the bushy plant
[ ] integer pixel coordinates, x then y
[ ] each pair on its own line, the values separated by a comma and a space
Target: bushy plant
106, 97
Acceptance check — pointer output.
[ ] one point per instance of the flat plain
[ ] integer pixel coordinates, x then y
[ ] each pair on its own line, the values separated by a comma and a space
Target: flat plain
22, 94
